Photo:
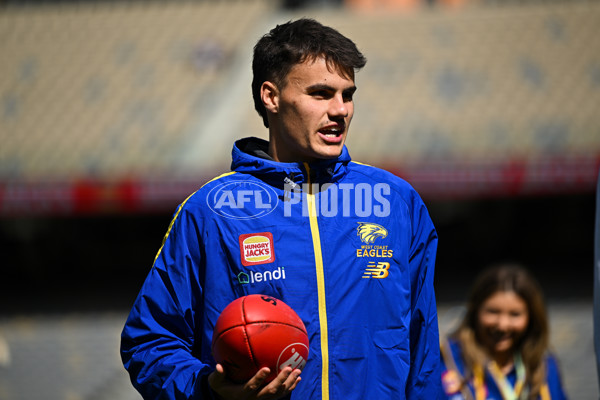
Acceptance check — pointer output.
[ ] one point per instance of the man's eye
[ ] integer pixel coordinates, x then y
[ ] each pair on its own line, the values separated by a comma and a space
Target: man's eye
320, 93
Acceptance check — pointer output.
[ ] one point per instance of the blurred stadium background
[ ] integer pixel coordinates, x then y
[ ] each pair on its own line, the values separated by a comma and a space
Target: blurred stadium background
112, 112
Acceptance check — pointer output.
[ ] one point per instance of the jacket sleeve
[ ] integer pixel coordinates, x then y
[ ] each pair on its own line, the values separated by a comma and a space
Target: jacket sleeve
553, 378
424, 379
158, 340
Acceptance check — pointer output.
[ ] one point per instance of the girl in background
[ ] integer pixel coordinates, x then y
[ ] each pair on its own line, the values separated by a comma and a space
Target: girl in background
500, 349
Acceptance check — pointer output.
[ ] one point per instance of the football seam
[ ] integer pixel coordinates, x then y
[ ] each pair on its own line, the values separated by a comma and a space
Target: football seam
246, 337
249, 347
260, 322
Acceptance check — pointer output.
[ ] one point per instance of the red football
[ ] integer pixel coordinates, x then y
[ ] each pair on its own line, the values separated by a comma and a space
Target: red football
258, 331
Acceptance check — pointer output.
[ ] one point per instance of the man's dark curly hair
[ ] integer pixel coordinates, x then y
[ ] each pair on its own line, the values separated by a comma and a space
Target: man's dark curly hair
295, 42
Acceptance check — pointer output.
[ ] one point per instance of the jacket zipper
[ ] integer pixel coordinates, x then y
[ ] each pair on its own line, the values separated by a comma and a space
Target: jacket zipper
316, 239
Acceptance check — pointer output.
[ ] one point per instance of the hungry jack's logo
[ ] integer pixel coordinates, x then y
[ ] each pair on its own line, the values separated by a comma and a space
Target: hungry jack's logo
256, 248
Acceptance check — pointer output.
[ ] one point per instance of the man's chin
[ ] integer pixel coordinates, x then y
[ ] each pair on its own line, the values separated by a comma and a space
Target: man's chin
330, 152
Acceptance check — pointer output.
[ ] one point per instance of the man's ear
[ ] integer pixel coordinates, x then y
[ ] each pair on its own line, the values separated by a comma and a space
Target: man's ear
269, 95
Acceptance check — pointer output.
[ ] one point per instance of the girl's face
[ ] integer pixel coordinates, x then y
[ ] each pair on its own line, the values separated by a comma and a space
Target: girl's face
502, 321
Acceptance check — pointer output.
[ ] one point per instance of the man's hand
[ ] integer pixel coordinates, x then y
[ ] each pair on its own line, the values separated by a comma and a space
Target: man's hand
281, 386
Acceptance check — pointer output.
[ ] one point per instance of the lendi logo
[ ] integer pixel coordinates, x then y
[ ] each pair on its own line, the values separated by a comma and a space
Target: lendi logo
252, 277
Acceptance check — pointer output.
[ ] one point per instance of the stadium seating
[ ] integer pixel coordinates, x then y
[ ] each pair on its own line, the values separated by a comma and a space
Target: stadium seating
482, 84
136, 91
107, 89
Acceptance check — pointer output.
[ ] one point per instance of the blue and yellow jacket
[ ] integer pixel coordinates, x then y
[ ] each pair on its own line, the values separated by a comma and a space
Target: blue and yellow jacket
462, 384
350, 247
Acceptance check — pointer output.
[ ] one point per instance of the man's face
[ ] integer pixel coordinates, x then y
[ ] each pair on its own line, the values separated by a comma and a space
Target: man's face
311, 114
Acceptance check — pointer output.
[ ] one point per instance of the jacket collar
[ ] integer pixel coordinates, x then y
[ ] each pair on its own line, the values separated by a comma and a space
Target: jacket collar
250, 155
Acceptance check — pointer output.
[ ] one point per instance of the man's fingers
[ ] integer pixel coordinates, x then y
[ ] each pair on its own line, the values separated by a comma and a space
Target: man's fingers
288, 378
258, 379
255, 388
281, 379
217, 377
283, 384
294, 378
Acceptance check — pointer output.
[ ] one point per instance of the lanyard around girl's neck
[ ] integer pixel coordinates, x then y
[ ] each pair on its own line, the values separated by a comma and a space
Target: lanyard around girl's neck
506, 389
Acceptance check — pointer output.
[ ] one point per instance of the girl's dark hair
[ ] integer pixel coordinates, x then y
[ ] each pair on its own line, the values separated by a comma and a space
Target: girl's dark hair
295, 42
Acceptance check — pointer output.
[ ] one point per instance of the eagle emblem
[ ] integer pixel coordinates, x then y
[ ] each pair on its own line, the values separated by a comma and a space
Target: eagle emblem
368, 232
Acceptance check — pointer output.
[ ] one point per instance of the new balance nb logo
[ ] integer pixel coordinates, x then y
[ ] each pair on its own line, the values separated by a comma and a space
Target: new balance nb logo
378, 270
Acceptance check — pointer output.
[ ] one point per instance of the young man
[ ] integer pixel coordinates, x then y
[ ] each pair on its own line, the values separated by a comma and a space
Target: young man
349, 247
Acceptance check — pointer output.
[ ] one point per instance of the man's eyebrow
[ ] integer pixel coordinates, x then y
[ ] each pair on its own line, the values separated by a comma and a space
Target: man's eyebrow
322, 86
318, 87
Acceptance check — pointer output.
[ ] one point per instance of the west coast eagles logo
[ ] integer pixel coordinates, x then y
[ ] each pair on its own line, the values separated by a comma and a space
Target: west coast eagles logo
368, 232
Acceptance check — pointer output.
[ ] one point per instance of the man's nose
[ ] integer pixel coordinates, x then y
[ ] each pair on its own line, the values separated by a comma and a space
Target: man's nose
338, 107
